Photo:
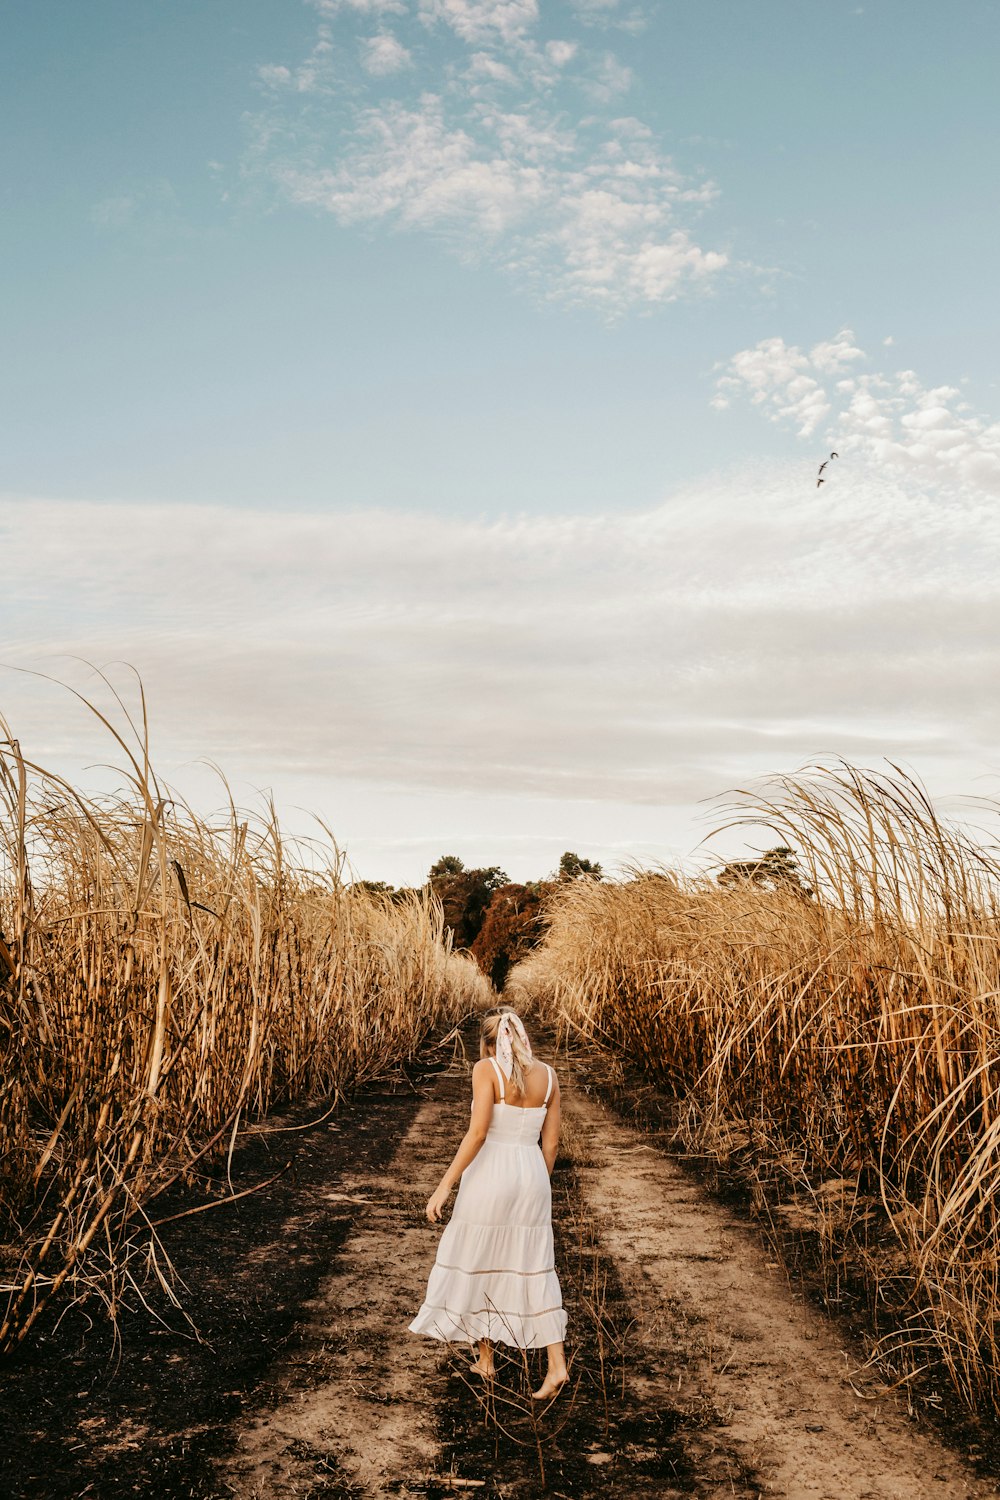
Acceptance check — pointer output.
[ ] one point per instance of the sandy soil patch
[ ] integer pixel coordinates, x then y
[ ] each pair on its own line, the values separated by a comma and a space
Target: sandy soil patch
804, 1417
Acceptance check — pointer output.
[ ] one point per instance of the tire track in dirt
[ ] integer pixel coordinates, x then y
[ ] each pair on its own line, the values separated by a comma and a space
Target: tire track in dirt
777, 1370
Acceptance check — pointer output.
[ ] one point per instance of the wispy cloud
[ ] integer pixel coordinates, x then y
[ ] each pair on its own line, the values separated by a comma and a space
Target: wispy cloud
516, 148
608, 79
654, 657
610, 14
149, 213
893, 421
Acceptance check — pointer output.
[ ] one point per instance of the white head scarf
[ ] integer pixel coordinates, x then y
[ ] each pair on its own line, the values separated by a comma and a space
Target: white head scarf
505, 1057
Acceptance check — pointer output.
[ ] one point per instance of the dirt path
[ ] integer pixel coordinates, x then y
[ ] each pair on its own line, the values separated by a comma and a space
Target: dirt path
148, 1413
354, 1400
696, 1371
802, 1418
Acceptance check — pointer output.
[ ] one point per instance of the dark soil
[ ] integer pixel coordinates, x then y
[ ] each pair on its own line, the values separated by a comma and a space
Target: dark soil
87, 1412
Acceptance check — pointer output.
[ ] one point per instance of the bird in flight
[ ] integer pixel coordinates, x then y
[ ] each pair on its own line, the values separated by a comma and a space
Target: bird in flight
819, 477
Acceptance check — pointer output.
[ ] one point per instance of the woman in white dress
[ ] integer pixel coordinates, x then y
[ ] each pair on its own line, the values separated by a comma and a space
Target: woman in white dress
494, 1278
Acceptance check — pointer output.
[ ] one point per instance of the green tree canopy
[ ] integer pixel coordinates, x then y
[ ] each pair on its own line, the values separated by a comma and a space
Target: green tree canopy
573, 867
372, 887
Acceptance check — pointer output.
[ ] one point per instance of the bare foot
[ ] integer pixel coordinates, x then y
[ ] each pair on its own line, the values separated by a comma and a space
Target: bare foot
486, 1371
550, 1386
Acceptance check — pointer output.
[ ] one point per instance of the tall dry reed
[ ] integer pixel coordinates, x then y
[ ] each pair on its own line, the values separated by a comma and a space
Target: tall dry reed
848, 1040
162, 980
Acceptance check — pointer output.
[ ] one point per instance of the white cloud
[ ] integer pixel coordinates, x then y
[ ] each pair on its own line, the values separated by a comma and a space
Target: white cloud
311, 76
894, 422
654, 657
275, 74
610, 14
837, 354
478, 21
331, 8
413, 168
384, 54
778, 379
609, 79
561, 53
592, 229
490, 153
484, 65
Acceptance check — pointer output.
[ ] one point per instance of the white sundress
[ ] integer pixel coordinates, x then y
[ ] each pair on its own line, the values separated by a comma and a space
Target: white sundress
494, 1276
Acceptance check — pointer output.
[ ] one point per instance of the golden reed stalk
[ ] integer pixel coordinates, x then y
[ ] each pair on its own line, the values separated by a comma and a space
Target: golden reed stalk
162, 979
848, 1038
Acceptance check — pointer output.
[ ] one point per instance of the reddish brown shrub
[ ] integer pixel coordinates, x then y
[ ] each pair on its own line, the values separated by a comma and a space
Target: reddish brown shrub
513, 925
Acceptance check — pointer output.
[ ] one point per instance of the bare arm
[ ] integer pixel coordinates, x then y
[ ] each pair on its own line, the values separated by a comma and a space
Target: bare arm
472, 1141
550, 1130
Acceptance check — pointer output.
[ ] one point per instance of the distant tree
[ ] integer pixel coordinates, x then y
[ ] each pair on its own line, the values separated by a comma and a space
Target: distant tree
372, 887
513, 925
572, 867
448, 864
774, 868
465, 895
405, 893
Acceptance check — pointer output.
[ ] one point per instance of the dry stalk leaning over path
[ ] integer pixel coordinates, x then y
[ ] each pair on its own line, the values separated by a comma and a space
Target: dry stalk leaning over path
162, 978
847, 1042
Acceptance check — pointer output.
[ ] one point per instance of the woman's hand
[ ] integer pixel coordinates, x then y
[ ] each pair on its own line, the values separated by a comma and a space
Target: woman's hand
436, 1203
482, 1110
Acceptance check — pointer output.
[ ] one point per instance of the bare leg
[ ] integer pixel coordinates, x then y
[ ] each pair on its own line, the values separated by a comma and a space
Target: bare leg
484, 1364
557, 1375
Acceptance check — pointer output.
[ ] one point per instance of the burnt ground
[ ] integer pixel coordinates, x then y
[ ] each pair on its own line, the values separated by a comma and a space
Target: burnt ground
86, 1412
697, 1368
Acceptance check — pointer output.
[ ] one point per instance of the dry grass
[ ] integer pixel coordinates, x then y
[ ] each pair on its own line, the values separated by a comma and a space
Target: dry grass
162, 980
848, 1045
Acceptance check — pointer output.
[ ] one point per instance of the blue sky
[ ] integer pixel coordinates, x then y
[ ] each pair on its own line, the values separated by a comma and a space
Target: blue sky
425, 396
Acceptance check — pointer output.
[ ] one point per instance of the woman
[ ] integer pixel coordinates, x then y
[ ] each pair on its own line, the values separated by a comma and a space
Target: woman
494, 1276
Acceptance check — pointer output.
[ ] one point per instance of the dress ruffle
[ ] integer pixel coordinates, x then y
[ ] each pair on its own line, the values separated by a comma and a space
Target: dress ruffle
494, 1276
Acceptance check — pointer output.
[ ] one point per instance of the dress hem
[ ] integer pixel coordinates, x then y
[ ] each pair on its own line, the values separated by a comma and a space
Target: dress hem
468, 1328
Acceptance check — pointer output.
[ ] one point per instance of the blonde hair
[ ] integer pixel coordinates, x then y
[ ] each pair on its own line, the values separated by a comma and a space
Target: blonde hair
520, 1060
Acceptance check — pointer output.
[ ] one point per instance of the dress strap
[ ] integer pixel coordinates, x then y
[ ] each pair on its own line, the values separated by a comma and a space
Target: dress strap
499, 1071
552, 1079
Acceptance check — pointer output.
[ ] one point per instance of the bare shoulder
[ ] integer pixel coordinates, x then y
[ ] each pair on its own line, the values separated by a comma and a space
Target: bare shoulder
544, 1071
482, 1069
